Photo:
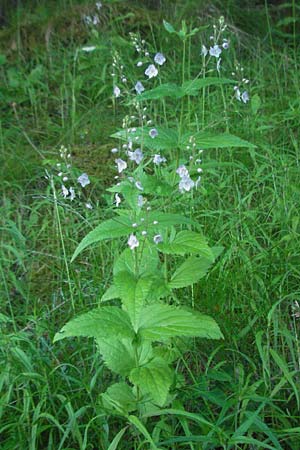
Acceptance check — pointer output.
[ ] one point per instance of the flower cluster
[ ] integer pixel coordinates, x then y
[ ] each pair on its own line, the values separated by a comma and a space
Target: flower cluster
94, 19
218, 43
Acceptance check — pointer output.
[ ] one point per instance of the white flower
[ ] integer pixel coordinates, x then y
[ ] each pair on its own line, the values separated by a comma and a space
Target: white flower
153, 133
139, 64
96, 20
215, 51
204, 51
65, 178
117, 200
157, 239
237, 93
151, 71
159, 59
197, 182
65, 191
72, 193
88, 206
121, 164
114, 150
144, 233
182, 171
225, 44
139, 186
98, 5
133, 242
136, 156
159, 159
140, 201
88, 49
83, 180
117, 92
139, 87
186, 183
245, 97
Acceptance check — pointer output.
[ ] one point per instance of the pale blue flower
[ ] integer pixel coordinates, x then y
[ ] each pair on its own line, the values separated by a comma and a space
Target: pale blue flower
204, 50
158, 159
133, 242
117, 200
121, 165
139, 186
153, 133
140, 201
83, 180
159, 59
139, 87
117, 92
157, 238
136, 156
215, 51
245, 97
182, 171
64, 191
72, 193
186, 183
151, 71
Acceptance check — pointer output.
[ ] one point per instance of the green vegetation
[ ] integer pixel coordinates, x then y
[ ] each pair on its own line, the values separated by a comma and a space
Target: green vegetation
240, 392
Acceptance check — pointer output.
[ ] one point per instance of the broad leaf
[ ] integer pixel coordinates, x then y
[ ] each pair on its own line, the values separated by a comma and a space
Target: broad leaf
168, 27
121, 356
166, 220
133, 293
144, 259
190, 272
194, 86
208, 140
110, 294
187, 242
113, 228
161, 321
119, 397
154, 378
104, 322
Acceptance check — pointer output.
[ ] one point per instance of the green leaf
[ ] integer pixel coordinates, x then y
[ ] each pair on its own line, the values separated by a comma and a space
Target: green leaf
190, 272
255, 103
166, 220
133, 294
119, 398
117, 439
121, 356
147, 257
160, 321
154, 185
98, 323
167, 139
194, 86
170, 29
187, 242
208, 140
142, 429
110, 294
110, 229
154, 378
164, 90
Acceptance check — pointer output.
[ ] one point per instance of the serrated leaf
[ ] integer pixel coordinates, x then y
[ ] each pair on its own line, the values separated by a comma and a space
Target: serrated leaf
110, 294
147, 257
160, 321
208, 140
113, 228
119, 398
98, 323
187, 242
154, 378
133, 293
155, 186
191, 271
121, 357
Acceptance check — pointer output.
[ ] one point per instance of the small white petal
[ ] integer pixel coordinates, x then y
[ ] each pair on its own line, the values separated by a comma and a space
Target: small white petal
121, 165
117, 92
158, 238
133, 242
